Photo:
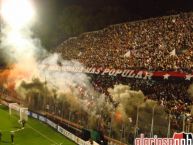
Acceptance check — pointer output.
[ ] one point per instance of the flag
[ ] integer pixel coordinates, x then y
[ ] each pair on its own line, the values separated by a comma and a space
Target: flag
173, 52
80, 53
128, 54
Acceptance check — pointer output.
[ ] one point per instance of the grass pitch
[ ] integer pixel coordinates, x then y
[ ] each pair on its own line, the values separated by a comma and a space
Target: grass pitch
34, 133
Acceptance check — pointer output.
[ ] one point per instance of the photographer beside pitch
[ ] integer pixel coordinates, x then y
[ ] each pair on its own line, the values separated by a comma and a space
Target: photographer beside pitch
12, 137
23, 122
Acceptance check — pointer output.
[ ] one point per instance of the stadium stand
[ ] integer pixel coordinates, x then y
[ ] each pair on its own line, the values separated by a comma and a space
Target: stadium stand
159, 44
163, 43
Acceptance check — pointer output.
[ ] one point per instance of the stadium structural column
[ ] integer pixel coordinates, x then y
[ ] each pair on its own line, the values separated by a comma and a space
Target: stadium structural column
184, 122
137, 124
152, 122
110, 126
169, 125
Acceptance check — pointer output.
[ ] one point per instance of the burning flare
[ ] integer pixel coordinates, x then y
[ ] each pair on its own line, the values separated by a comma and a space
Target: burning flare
17, 44
17, 13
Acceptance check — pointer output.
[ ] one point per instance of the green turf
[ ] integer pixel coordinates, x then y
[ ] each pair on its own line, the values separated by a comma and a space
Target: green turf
34, 133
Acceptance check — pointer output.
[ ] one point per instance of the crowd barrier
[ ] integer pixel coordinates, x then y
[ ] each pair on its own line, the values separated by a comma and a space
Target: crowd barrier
58, 128
63, 131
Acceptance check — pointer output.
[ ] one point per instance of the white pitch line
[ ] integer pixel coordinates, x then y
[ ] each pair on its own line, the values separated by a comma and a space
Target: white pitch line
40, 134
43, 135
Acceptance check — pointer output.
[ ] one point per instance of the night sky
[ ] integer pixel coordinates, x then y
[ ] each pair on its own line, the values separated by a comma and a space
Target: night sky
140, 8
58, 20
61, 19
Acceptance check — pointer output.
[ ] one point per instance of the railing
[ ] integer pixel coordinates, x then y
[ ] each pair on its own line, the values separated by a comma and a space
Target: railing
44, 117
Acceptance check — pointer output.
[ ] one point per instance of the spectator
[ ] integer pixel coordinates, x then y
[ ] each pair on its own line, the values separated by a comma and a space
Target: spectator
150, 42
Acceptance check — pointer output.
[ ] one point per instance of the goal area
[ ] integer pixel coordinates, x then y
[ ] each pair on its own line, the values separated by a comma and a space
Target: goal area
16, 109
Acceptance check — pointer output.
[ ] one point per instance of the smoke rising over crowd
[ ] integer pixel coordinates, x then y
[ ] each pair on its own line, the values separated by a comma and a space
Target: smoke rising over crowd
30, 78
118, 112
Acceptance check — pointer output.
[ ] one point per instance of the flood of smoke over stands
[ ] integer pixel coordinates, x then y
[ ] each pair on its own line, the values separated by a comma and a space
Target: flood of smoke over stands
113, 104
116, 106
61, 19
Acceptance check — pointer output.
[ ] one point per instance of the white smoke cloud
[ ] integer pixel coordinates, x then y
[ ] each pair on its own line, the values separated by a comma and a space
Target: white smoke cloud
74, 89
59, 78
18, 45
128, 102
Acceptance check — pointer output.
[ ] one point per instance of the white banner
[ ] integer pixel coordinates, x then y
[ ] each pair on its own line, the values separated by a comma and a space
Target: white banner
72, 136
34, 115
52, 124
42, 118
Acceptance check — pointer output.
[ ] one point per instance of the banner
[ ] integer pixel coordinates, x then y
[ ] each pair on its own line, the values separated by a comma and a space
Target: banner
42, 118
52, 124
72, 136
34, 115
61, 130
126, 73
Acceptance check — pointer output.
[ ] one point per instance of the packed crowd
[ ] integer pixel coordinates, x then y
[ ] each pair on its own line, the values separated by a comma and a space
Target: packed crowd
159, 44
164, 43
168, 93
172, 95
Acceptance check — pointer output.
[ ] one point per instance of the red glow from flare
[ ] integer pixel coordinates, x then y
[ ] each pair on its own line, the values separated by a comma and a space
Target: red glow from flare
9, 77
118, 117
